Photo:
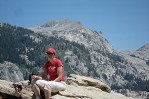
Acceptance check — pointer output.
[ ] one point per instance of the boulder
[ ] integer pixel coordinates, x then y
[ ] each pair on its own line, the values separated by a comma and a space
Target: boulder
86, 81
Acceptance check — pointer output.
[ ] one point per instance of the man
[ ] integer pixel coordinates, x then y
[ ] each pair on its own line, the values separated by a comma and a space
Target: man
53, 68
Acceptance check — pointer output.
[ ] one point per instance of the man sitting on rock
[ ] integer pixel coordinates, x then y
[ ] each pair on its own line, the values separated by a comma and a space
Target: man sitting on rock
54, 68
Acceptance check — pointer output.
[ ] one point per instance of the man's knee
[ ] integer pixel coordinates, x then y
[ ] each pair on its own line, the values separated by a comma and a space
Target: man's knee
47, 87
35, 84
40, 84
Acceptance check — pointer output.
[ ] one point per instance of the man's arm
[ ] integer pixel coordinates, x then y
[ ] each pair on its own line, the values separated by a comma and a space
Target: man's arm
59, 73
44, 76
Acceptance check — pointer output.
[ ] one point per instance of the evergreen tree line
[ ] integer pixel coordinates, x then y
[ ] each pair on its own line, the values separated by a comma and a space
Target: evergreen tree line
134, 84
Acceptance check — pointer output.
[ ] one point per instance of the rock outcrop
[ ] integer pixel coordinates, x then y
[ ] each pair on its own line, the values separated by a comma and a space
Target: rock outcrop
10, 72
86, 81
78, 87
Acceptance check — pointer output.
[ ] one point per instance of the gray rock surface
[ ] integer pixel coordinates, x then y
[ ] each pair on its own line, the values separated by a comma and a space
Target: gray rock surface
78, 87
10, 72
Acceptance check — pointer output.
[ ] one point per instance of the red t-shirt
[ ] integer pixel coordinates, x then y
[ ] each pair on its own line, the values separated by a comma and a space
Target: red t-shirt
52, 69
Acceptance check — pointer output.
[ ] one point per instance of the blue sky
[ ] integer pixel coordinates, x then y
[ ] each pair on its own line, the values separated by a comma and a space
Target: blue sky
124, 23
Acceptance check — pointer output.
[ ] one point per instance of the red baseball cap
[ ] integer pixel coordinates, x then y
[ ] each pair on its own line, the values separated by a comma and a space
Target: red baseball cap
51, 50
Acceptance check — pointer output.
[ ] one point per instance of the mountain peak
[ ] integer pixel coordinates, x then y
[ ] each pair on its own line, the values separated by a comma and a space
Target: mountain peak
74, 31
144, 48
61, 23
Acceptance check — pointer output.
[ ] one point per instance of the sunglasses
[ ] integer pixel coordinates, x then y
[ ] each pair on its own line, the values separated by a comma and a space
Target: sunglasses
50, 53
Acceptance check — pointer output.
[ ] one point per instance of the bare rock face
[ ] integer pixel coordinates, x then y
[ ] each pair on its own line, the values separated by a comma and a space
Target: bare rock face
7, 90
10, 72
86, 81
78, 87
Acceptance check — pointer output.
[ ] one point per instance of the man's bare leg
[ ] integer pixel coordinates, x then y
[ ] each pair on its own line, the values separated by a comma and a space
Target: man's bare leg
47, 94
36, 91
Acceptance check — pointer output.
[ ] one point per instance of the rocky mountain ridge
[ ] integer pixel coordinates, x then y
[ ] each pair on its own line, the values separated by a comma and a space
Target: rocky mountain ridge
112, 66
92, 40
141, 53
84, 52
74, 31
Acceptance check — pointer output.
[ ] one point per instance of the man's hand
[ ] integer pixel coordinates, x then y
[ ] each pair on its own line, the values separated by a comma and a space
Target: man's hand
36, 77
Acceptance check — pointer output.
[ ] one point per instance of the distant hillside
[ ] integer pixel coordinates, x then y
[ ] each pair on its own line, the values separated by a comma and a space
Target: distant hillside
83, 51
27, 49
